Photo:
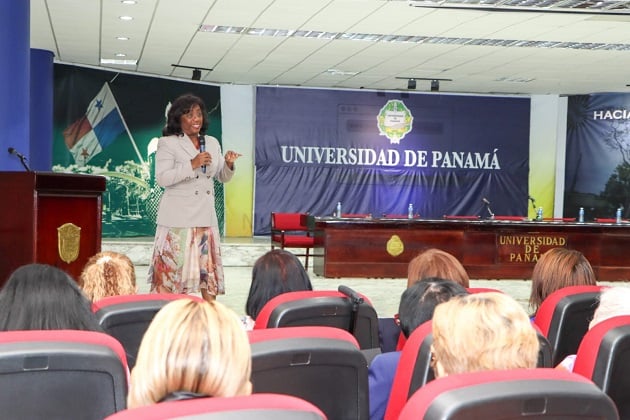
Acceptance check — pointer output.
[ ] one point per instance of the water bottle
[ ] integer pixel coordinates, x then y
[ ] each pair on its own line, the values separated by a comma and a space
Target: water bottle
618, 215
338, 212
539, 214
410, 211
581, 215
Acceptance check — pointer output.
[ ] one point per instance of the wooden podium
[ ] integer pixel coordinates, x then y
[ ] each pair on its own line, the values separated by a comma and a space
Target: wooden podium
49, 218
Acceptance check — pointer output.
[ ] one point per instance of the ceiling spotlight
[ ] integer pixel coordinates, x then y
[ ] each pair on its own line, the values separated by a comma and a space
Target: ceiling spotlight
411, 84
435, 85
196, 74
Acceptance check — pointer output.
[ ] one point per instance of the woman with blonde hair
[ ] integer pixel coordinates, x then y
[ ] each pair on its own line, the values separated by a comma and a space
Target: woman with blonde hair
436, 263
558, 268
192, 349
106, 274
483, 331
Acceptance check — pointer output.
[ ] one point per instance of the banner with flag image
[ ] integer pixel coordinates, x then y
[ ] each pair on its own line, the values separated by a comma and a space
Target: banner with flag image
97, 129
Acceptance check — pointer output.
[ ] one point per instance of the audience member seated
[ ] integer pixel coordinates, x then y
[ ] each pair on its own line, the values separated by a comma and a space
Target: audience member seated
613, 301
483, 331
436, 263
276, 272
417, 304
191, 350
108, 274
558, 268
43, 297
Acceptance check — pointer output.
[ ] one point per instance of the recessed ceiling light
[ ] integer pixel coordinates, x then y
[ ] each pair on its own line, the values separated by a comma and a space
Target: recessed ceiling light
121, 55
119, 62
122, 38
125, 17
128, 1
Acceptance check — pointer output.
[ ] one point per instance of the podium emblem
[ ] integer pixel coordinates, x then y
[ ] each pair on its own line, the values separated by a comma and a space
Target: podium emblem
395, 246
68, 241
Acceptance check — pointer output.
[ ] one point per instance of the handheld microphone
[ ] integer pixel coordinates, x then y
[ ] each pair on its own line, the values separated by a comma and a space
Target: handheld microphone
202, 148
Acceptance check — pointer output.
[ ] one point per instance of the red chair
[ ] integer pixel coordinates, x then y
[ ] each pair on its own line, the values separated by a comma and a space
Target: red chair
563, 318
356, 215
604, 358
255, 407
61, 374
559, 219
604, 220
322, 365
510, 394
510, 218
414, 369
127, 317
291, 230
322, 308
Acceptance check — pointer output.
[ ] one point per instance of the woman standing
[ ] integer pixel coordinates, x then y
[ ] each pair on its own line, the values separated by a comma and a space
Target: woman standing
186, 256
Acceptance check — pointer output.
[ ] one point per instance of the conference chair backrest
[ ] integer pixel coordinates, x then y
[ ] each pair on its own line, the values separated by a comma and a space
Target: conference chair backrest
251, 407
563, 318
518, 393
604, 358
322, 365
127, 317
61, 374
414, 369
322, 308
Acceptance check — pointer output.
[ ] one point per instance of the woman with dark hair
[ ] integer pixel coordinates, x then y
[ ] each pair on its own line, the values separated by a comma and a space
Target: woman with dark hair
187, 256
276, 272
43, 297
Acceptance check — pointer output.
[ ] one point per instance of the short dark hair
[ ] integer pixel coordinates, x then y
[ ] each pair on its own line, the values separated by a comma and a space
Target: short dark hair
418, 302
182, 105
276, 272
43, 297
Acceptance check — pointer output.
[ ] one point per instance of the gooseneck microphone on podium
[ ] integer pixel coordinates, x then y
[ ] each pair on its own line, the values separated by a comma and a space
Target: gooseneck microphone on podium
530, 198
202, 148
23, 159
487, 203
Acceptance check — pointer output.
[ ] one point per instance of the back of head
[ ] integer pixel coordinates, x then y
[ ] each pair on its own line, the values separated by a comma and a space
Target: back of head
483, 331
276, 272
558, 268
419, 300
43, 297
436, 263
191, 347
613, 301
108, 274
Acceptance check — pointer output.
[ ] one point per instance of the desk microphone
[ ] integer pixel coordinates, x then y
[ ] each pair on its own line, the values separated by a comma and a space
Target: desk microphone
202, 148
530, 198
23, 159
487, 203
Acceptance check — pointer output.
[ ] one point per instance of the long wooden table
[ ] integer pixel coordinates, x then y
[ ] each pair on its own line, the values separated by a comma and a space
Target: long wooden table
488, 249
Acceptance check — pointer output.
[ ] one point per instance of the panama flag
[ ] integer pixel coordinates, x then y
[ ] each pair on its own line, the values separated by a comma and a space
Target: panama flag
97, 129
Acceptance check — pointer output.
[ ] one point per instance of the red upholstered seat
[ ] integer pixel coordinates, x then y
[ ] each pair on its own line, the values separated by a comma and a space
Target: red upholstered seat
604, 358
563, 318
322, 365
290, 230
322, 308
605, 220
61, 374
255, 407
413, 370
356, 215
559, 219
518, 393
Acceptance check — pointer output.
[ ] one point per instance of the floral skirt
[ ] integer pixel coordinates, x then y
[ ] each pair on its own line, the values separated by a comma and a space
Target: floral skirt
186, 260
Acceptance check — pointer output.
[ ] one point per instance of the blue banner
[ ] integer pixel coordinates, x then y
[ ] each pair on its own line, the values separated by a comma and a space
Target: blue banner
597, 172
378, 152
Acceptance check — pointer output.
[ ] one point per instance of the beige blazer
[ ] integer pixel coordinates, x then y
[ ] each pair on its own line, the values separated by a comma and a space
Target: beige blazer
188, 199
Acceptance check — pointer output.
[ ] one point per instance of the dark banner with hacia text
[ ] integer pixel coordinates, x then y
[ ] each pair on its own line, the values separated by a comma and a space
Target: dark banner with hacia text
108, 123
378, 152
597, 171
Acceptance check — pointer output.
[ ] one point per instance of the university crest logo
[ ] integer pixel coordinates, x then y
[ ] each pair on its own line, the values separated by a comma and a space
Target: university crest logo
394, 121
